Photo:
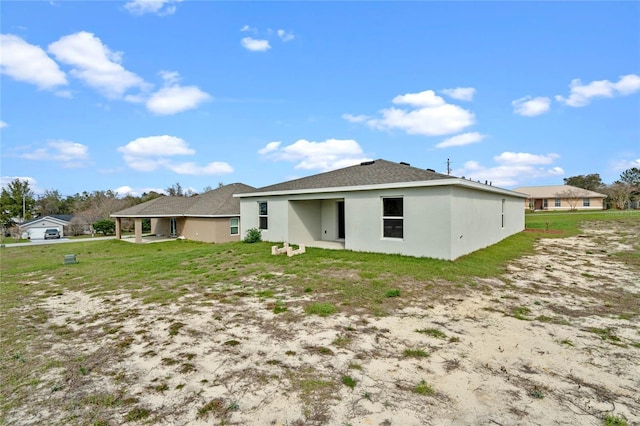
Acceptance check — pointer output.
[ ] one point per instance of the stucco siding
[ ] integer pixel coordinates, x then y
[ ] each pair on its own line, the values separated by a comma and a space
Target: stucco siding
305, 220
477, 219
208, 230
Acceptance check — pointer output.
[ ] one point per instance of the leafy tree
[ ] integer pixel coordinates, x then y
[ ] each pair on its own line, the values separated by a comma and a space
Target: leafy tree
51, 202
175, 190
631, 176
591, 182
105, 226
16, 202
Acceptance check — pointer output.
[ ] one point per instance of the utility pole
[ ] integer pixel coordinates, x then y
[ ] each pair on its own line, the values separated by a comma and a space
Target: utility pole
448, 166
24, 204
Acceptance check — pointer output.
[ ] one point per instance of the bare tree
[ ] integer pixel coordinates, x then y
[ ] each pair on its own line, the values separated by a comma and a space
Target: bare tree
572, 196
619, 193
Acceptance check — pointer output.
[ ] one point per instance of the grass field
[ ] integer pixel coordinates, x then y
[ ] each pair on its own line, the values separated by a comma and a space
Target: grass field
185, 275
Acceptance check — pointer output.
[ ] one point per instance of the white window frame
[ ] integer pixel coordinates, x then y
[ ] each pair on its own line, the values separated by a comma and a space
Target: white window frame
586, 202
557, 202
236, 226
392, 217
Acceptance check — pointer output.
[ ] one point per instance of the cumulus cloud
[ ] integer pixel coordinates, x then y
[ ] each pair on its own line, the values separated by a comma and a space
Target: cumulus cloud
95, 64
426, 114
460, 93
461, 140
512, 168
158, 7
285, 36
174, 98
530, 107
151, 153
29, 63
3, 124
326, 155
69, 154
581, 94
270, 147
255, 45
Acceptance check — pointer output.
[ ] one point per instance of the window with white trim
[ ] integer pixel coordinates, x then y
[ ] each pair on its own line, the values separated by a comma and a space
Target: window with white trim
502, 214
263, 216
545, 203
234, 224
392, 217
586, 202
556, 202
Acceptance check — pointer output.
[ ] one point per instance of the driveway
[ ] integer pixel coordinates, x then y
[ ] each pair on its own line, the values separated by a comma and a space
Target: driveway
60, 241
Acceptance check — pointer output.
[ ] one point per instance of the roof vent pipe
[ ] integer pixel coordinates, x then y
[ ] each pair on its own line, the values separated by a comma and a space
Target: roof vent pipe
404, 164
367, 163
431, 170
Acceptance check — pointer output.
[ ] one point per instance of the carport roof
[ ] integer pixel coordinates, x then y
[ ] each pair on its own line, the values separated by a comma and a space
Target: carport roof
218, 202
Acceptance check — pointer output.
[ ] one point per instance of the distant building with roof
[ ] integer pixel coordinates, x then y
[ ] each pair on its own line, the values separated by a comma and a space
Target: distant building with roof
561, 197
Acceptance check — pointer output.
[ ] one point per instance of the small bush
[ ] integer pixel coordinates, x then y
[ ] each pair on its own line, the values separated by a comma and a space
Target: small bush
253, 235
349, 381
105, 227
322, 309
393, 293
423, 388
612, 420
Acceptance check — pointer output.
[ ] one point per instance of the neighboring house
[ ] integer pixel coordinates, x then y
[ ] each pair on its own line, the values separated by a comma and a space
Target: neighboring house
561, 197
34, 229
385, 207
212, 217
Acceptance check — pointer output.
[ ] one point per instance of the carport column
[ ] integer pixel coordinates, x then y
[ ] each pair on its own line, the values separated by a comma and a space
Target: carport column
118, 228
138, 226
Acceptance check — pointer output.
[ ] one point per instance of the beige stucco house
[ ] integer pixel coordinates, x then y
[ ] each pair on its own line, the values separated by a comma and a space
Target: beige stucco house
212, 217
561, 197
385, 207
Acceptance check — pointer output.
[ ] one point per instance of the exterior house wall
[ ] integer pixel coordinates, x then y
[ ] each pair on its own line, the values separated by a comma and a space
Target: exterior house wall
442, 222
477, 219
208, 230
305, 219
565, 204
160, 226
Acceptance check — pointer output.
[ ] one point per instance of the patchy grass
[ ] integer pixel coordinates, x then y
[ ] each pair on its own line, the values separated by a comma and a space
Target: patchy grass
415, 353
322, 309
433, 332
423, 388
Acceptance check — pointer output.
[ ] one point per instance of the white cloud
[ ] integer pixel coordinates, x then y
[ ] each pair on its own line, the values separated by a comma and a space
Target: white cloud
255, 45
461, 140
270, 147
580, 94
626, 164
95, 64
427, 114
136, 192
6, 180
530, 107
285, 36
512, 169
247, 28
460, 93
157, 146
70, 154
355, 118
142, 7
427, 98
151, 153
3, 124
214, 168
174, 99
29, 63
327, 155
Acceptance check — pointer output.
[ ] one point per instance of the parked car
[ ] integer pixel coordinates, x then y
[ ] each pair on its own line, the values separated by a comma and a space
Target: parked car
50, 234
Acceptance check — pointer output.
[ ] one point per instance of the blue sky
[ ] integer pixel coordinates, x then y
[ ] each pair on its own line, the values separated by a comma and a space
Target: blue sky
136, 96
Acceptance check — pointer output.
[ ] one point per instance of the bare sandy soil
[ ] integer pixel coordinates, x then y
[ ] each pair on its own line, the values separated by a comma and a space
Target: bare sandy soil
553, 341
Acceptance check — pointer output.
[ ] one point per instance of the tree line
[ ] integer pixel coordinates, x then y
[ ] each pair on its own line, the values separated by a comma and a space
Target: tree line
621, 194
18, 203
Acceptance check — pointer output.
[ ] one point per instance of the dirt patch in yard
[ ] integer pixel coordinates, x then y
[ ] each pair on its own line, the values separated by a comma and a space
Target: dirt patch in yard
555, 340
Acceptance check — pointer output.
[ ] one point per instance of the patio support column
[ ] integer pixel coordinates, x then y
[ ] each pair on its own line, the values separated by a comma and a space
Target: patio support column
138, 226
118, 228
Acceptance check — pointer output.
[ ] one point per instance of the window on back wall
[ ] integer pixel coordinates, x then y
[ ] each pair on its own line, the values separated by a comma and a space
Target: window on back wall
234, 225
392, 218
586, 202
263, 215
545, 203
502, 214
556, 202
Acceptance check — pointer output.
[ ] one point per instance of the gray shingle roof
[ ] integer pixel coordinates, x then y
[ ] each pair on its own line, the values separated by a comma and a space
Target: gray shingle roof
63, 217
367, 173
217, 202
